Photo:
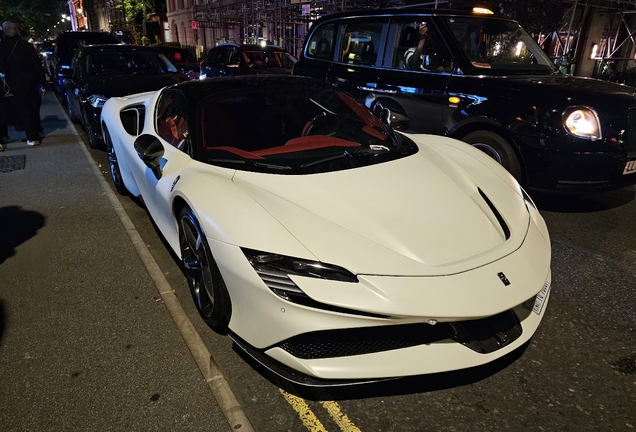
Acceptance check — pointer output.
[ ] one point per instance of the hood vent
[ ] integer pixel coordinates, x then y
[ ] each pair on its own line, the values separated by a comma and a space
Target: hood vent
500, 219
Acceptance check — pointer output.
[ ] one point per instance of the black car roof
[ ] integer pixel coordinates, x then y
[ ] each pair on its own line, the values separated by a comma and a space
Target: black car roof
118, 47
81, 35
250, 46
408, 10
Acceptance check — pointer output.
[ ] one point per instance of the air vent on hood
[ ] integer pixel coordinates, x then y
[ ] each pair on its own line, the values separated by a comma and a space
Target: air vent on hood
500, 219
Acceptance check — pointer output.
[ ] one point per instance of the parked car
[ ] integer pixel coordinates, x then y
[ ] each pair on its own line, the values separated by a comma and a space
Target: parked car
231, 59
98, 72
65, 46
183, 59
482, 79
330, 247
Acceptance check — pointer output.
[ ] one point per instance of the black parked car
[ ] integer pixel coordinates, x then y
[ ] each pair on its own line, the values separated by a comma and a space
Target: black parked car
183, 59
482, 79
99, 72
65, 46
232, 59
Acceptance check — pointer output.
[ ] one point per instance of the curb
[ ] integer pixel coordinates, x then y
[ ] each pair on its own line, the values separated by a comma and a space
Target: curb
217, 383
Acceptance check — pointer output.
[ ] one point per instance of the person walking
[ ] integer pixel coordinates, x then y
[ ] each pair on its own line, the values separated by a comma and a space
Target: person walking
4, 111
25, 81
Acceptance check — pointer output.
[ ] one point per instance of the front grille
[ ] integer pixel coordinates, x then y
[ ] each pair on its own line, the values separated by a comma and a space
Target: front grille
357, 341
481, 335
630, 139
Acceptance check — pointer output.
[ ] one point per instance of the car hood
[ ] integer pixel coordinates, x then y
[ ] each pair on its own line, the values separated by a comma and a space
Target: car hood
418, 216
123, 85
579, 90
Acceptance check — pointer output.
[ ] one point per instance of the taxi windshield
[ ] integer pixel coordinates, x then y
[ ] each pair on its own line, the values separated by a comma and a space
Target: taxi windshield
495, 46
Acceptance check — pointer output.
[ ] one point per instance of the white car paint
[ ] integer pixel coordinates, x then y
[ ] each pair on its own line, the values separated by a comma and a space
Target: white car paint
423, 243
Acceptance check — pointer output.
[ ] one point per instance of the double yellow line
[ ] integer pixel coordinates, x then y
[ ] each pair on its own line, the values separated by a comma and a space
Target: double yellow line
310, 420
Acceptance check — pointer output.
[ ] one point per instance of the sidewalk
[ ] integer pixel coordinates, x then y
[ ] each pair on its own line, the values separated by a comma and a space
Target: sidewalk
85, 341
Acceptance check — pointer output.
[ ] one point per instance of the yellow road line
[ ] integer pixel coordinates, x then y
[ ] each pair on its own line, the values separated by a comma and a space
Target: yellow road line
339, 417
305, 413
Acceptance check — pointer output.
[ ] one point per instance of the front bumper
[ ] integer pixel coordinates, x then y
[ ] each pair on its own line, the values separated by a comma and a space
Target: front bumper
288, 338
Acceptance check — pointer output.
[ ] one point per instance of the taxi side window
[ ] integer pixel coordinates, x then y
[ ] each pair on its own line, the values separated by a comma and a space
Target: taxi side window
171, 120
419, 47
360, 42
322, 42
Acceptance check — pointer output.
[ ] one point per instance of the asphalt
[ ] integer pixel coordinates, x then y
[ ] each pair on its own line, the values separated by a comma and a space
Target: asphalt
91, 335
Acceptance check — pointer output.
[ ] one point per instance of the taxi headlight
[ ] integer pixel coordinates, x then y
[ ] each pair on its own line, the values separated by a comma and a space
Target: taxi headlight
582, 122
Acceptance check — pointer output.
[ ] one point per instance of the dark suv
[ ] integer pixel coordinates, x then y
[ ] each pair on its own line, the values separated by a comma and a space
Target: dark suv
65, 47
231, 59
481, 79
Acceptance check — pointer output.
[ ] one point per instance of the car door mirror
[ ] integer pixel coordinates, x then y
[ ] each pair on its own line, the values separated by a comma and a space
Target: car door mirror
150, 151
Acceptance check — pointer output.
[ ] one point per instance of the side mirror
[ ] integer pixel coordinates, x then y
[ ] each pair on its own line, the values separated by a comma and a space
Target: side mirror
150, 151
396, 120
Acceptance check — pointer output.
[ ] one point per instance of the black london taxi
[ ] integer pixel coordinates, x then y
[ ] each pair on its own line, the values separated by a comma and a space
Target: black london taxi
482, 79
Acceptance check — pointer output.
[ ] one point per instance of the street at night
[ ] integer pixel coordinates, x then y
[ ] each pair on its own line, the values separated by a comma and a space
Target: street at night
88, 342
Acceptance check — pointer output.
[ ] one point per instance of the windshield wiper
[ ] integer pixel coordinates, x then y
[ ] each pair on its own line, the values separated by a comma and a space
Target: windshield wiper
327, 159
235, 161
272, 166
251, 162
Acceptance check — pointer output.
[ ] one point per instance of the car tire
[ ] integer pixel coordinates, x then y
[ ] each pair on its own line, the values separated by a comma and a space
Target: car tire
113, 164
497, 148
92, 141
207, 287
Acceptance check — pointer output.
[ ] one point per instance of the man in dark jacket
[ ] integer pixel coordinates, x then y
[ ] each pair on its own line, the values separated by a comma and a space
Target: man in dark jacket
25, 81
4, 111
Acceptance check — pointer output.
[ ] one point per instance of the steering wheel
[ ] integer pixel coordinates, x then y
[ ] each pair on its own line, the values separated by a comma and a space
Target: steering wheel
321, 123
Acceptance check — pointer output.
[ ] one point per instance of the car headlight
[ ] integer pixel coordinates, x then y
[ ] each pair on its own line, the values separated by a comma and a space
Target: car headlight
582, 122
265, 261
97, 101
275, 269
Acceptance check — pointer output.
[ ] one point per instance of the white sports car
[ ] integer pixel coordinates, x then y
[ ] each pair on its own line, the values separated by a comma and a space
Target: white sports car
330, 247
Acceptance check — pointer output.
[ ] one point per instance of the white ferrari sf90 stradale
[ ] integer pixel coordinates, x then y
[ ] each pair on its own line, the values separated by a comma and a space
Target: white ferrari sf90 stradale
330, 247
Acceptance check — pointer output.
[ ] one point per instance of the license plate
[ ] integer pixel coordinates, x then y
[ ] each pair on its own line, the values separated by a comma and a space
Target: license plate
630, 167
540, 299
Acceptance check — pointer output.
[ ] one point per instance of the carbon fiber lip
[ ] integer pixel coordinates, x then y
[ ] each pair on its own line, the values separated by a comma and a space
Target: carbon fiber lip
294, 376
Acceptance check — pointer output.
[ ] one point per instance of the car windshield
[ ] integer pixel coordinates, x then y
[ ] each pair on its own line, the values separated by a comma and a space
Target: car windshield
105, 63
181, 55
498, 46
67, 45
294, 128
268, 58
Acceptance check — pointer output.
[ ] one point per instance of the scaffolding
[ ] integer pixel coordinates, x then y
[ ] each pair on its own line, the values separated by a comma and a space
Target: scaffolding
282, 22
611, 24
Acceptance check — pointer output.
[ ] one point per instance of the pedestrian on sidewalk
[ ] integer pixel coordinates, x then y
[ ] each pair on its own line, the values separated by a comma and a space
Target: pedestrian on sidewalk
25, 80
4, 112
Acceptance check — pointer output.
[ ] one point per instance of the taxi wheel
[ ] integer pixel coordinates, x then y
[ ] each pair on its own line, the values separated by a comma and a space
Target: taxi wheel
206, 283
497, 148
